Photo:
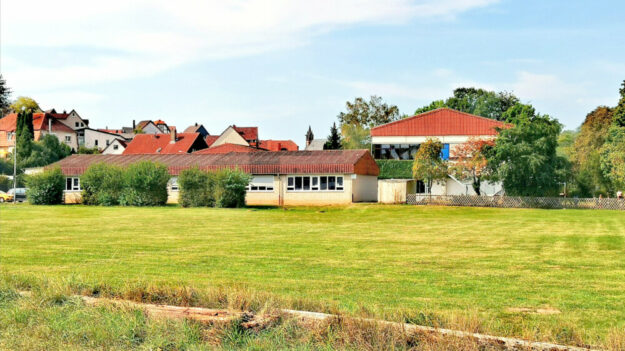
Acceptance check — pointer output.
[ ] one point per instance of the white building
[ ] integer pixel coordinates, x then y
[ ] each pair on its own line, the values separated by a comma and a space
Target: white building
116, 147
93, 138
401, 139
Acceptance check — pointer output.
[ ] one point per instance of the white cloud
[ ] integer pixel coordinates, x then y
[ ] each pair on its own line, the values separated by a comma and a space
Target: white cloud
142, 37
533, 86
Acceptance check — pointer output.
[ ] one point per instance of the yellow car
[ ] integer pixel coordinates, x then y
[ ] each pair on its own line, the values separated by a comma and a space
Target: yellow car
5, 197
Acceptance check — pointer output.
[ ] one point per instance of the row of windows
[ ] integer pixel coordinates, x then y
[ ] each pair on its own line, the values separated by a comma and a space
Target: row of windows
315, 183
402, 151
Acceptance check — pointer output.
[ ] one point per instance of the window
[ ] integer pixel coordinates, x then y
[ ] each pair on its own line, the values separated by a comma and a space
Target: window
108, 142
10, 136
72, 184
77, 124
68, 138
445, 152
95, 142
261, 183
115, 147
315, 183
395, 151
173, 184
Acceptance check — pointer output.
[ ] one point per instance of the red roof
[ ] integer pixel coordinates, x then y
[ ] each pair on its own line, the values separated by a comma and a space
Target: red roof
282, 162
210, 139
40, 121
248, 133
278, 145
226, 148
160, 144
112, 131
440, 122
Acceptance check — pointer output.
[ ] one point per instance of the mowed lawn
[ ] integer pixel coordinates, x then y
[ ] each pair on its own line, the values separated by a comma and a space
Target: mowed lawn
468, 265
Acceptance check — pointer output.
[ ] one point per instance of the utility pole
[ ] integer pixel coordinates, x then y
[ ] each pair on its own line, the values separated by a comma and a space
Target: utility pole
15, 167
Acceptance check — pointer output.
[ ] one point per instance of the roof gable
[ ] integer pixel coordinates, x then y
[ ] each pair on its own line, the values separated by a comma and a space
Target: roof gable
440, 122
230, 136
226, 148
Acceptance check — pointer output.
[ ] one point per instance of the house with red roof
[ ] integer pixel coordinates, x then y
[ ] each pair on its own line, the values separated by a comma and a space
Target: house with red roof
172, 143
248, 136
400, 140
43, 123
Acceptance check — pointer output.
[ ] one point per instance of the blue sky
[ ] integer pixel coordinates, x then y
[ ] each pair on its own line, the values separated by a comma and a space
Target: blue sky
283, 65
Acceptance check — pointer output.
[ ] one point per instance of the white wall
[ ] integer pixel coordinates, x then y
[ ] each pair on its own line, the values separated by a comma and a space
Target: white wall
91, 136
110, 150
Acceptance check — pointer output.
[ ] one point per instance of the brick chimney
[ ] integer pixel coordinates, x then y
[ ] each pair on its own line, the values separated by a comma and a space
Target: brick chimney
172, 133
134, 126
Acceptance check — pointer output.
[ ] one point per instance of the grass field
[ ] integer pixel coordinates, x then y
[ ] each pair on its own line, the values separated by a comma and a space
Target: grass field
485, 270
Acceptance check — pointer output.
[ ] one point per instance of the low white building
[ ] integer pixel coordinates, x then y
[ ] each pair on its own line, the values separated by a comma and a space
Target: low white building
116, 147
93, 138
401, 139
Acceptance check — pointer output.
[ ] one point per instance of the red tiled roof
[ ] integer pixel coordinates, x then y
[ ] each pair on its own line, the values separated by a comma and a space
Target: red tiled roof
226, 148
282, 162
210, 139
159, 121
439, 122
40, 121
248, 133
160, 144
111, 131
278, 145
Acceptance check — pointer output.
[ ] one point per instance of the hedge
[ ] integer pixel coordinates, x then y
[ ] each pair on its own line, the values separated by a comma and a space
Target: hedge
224, 188
46, 188
102, 184
145, 184
196, 188
230, 188
395, 169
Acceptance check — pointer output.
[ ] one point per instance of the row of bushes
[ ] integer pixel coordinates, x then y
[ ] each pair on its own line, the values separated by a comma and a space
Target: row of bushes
224, 188
142, 184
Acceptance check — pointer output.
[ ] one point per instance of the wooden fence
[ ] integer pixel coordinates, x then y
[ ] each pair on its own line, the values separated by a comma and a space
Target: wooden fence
516, 202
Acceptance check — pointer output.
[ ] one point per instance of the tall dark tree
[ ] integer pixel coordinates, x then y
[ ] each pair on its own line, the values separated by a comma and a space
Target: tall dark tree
334, 139
24, 135
5, 93
619, 110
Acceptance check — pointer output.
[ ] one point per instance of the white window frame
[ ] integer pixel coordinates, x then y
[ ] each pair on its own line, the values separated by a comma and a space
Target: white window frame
173, 184
74, 184
261, 184
68, 138
313, 183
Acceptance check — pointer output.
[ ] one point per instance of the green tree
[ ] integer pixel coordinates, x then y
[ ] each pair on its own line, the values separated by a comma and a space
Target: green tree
24, 103
355, 137
145, 184
334, 139
89, 151
45, 151
24, 135
368, 114
428, 165
102, 184
479, 102
612, 159
5, 93
471, 161
196, 188
524, 156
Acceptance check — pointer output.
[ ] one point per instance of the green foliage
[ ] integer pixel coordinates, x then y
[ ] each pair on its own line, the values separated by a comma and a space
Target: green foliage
368, 114
356, 137
46, 188
619, 111
89, 151
612, 159
524, 156
5, 93
196, 188
145, 184
230, 188
102, 184
395, 169
25, 104
24, 135
334, 139
428, 165
5, 183
46, 151
479, 102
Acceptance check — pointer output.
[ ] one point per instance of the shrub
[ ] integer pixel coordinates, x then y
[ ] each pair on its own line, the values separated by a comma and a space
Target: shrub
5, 183
102, 184
46, 188
230, 188
196, 188
145, 184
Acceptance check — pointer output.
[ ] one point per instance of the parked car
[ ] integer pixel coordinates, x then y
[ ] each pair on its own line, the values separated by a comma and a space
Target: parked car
4, 197
19, 194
